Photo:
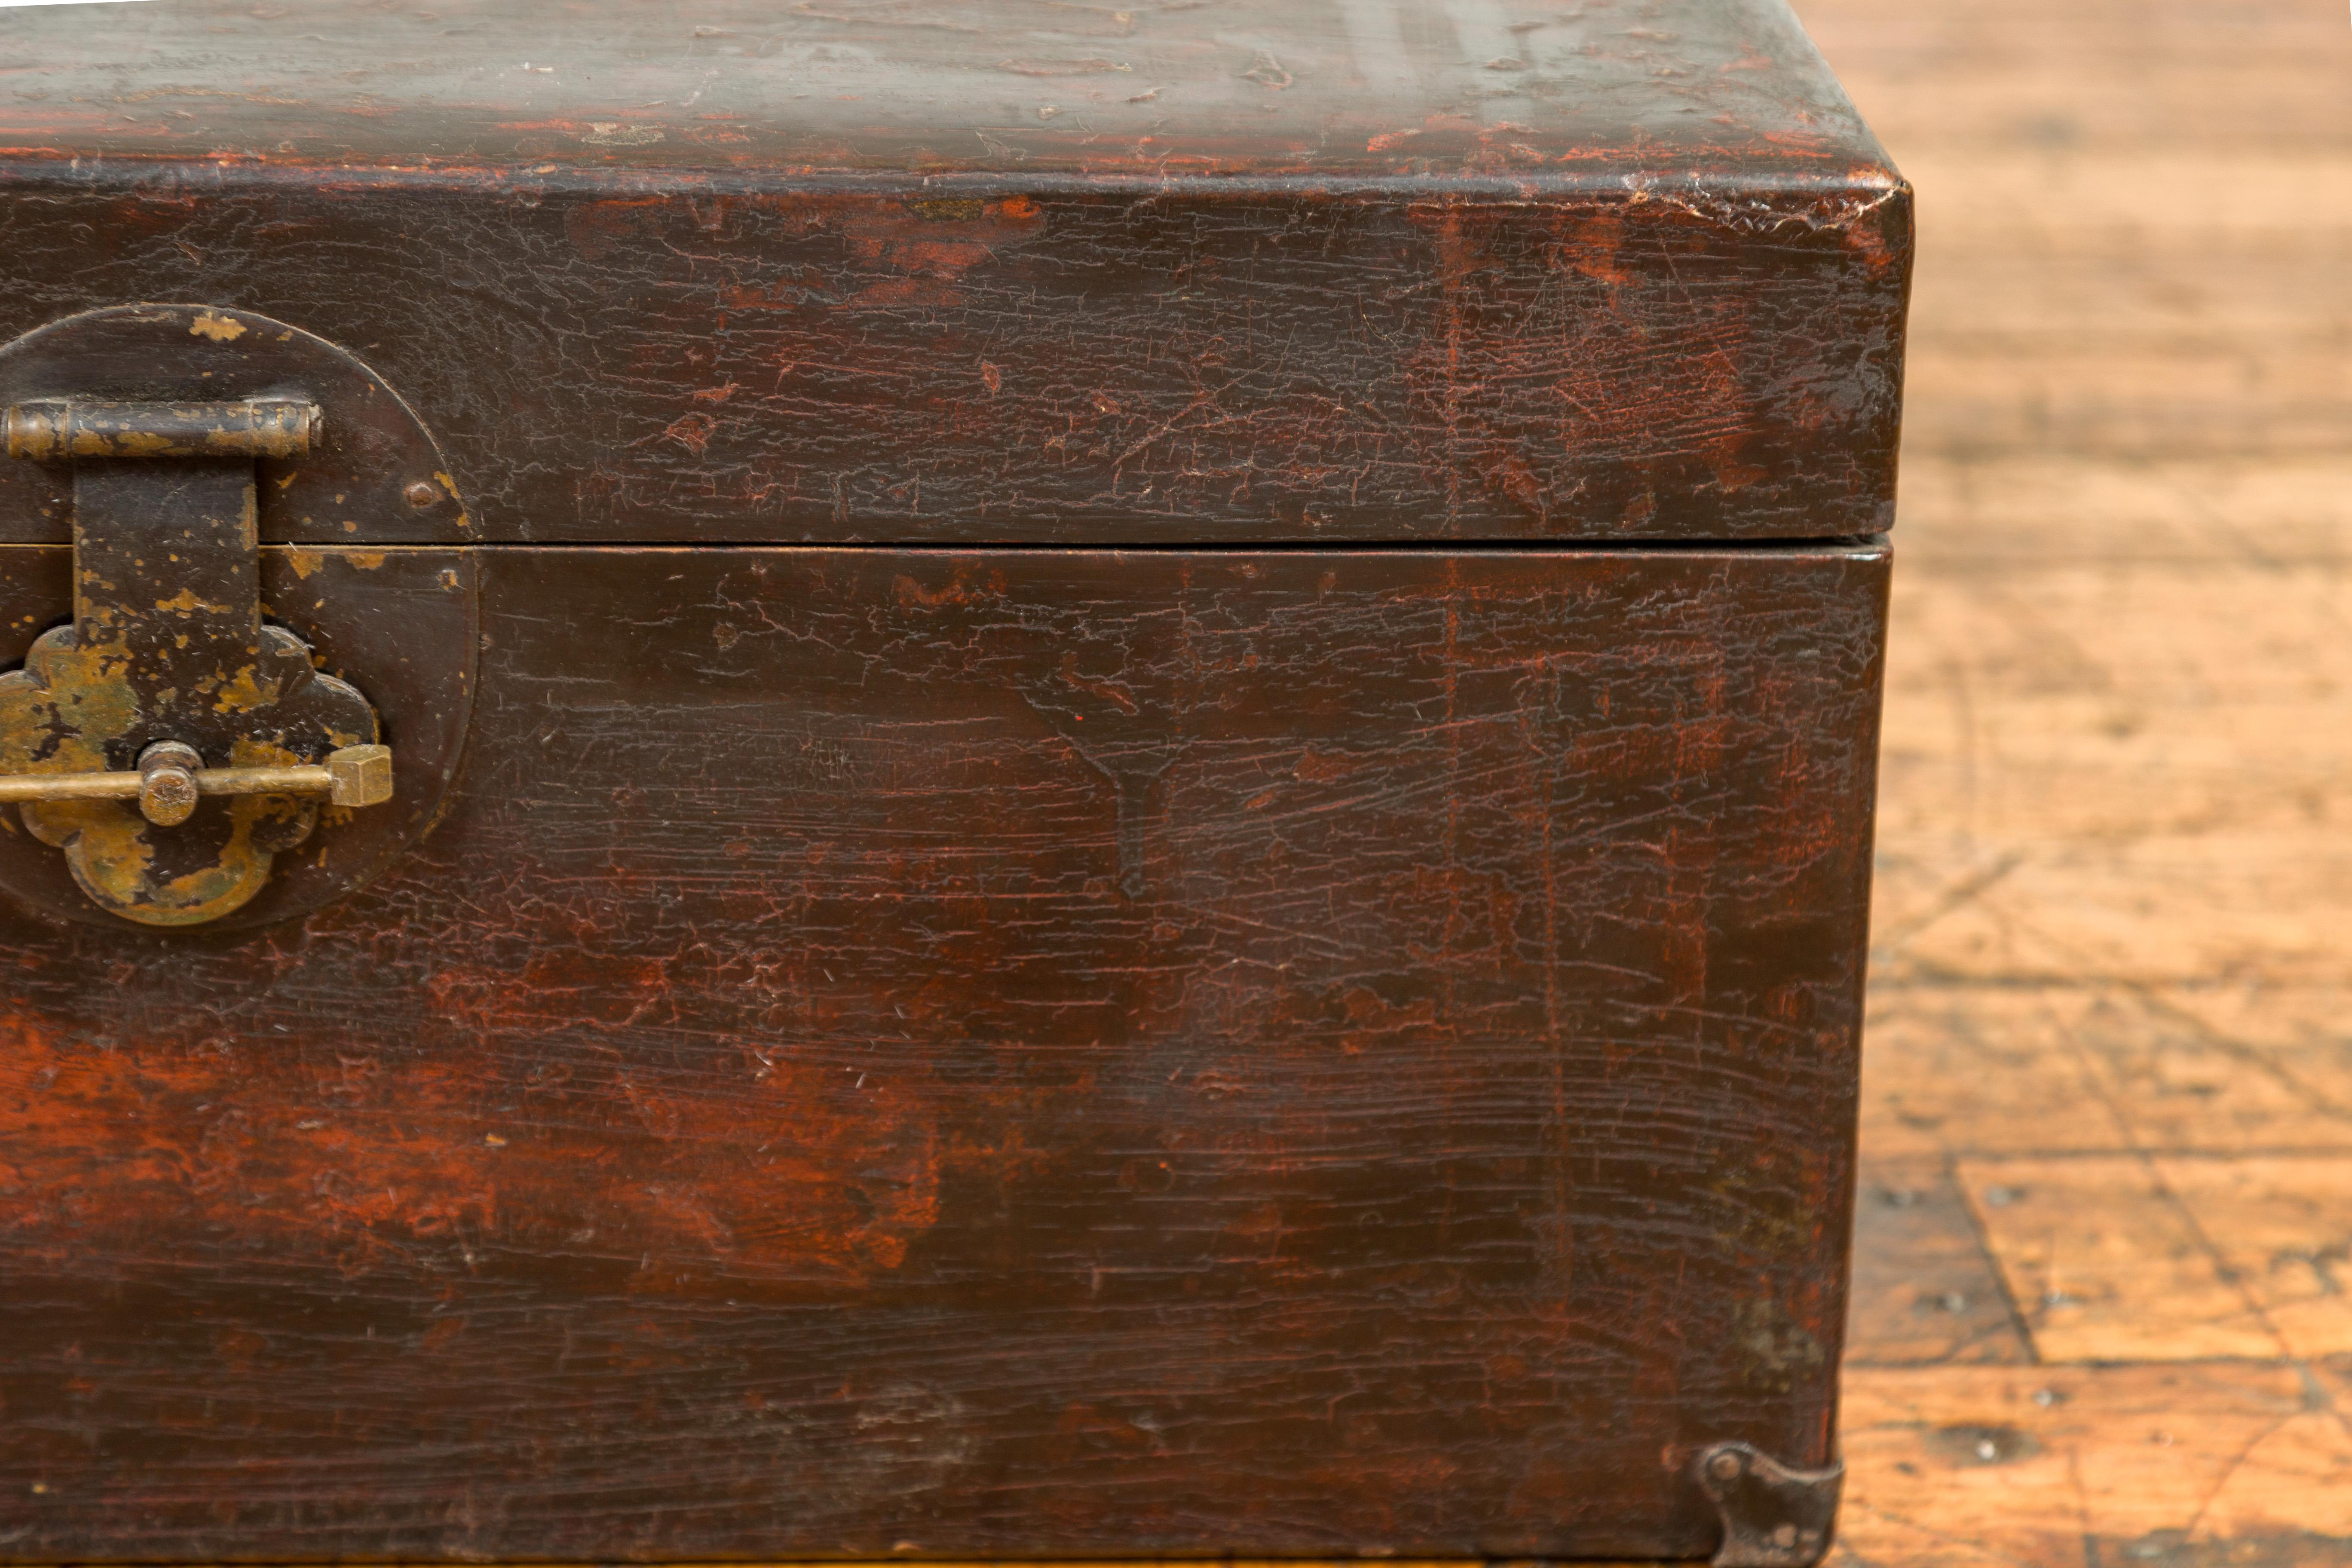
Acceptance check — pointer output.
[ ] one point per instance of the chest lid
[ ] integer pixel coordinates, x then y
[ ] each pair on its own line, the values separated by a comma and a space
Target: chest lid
721, 271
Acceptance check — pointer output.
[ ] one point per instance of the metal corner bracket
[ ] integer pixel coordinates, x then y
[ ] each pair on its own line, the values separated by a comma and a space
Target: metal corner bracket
1773, 1516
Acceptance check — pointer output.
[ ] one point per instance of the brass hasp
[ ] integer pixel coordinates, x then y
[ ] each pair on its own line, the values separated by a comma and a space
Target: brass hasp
169, 741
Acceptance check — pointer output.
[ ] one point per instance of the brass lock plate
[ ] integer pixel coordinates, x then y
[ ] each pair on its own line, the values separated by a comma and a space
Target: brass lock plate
203, 744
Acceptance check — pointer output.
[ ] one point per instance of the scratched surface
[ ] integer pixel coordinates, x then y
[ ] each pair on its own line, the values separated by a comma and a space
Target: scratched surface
990, 1053
1516, 89
762, 363
2102, 1310
1441, 271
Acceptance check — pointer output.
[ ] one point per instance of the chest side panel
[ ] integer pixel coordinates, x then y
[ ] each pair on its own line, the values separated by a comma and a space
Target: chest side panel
1012, 1053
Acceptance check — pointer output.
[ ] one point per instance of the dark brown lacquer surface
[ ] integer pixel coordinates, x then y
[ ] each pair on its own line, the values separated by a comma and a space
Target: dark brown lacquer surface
985, 1053
1017, 271
1201, 1039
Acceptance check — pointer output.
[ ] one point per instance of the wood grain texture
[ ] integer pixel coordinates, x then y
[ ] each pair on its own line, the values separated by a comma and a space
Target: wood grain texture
2104, 1264
2282, 1227
2109, 970
1923, 1290
2187, 1464
1054, 1052
1371, 271
761, 359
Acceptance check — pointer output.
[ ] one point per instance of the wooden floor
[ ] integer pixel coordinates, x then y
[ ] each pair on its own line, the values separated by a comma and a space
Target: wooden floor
2103, 1309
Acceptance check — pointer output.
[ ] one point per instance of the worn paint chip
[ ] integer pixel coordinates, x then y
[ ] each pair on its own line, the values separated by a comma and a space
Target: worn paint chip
219, 329
612, 133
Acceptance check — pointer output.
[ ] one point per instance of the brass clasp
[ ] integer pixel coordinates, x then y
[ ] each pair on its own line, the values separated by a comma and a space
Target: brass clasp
171, 778
169, 741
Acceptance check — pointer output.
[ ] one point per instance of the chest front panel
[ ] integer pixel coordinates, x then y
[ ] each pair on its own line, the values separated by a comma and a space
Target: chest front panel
1001, 1051
994, 780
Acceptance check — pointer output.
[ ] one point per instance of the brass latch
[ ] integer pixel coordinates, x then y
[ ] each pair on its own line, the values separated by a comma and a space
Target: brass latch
171, 778
169, 741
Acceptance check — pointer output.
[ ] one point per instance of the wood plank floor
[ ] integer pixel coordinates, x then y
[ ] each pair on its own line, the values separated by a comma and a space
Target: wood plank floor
2103, 1272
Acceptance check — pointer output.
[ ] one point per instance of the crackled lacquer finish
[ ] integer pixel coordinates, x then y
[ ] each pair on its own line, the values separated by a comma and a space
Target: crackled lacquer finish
991, 1053
1017, 270
902, 1050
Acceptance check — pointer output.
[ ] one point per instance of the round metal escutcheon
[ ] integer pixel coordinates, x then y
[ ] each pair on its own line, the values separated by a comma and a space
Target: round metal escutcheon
363, 557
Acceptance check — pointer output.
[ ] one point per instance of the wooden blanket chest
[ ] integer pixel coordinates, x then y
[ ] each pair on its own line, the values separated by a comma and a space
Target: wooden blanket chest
933, 778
